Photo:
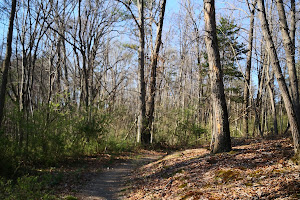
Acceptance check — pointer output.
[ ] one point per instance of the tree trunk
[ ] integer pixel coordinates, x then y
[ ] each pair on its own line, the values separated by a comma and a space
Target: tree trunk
220, 129
258, 103
289, 47
248, 72
154, 60
145, 137
270, 85
7, 60
278, 73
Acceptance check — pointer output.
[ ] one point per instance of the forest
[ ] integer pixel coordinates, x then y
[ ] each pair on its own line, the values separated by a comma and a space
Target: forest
203, 87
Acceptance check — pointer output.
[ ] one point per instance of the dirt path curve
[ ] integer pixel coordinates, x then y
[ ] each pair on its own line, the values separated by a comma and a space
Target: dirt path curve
108, 184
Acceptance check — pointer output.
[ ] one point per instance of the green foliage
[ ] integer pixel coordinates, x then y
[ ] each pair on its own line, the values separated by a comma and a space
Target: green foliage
231, 50
26, 187
70, 198
118, 145
7, 164
48, 136
178, 128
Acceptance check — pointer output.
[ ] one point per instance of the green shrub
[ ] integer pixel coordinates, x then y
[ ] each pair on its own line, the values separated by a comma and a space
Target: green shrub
26, 187
117, 145
178, 128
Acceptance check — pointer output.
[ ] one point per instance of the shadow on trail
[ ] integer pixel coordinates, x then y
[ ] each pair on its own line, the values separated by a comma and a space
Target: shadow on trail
109, 183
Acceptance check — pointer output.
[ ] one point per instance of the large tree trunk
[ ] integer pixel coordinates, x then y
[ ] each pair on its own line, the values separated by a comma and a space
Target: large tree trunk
7, 60
220, 128
154, 59
278, 73
289, 47
248, 72
145, 137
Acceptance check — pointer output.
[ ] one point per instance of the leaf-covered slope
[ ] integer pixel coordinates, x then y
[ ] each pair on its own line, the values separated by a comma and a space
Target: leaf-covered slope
254, 170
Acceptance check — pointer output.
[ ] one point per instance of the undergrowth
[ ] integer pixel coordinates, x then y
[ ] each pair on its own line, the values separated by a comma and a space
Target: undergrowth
24, 188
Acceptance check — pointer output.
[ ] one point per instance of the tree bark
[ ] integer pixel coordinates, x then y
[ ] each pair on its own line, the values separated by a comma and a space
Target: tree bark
7, 60
289, 47
293, 24
270, 85
220, 129
248, 72
278, 73
154, 60
145, 137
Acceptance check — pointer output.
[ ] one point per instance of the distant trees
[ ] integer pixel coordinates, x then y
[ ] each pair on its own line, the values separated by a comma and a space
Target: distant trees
86, 75
147, 106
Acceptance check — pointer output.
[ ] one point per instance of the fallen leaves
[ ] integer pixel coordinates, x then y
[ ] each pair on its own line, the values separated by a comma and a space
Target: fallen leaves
257, 170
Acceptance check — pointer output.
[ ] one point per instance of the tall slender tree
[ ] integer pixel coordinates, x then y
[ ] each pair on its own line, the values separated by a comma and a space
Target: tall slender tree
145, 137
278, 73
7, 59
248, 68
154, 62
289, 46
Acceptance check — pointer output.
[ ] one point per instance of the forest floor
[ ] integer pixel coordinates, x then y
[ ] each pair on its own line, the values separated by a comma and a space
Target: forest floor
254, 169
100, 177
110, 183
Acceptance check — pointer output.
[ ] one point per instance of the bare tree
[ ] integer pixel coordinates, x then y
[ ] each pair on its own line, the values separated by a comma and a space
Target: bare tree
289, 47
270, 86
220, 130
251, 8
145, 137
278, 73
154, 61
7, 59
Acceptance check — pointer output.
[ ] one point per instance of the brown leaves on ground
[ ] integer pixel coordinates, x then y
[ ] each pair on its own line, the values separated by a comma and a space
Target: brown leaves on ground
257, 170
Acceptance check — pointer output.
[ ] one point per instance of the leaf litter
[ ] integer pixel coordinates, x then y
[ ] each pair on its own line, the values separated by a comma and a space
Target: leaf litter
255, 169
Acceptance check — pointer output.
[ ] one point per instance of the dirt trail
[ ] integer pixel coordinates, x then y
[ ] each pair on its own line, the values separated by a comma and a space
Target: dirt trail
108, 184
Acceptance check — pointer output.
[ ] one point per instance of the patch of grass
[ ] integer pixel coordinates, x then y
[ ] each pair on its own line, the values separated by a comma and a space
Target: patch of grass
70, 198
182, 185
136, 157
232, 152
249, 184
227, 175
